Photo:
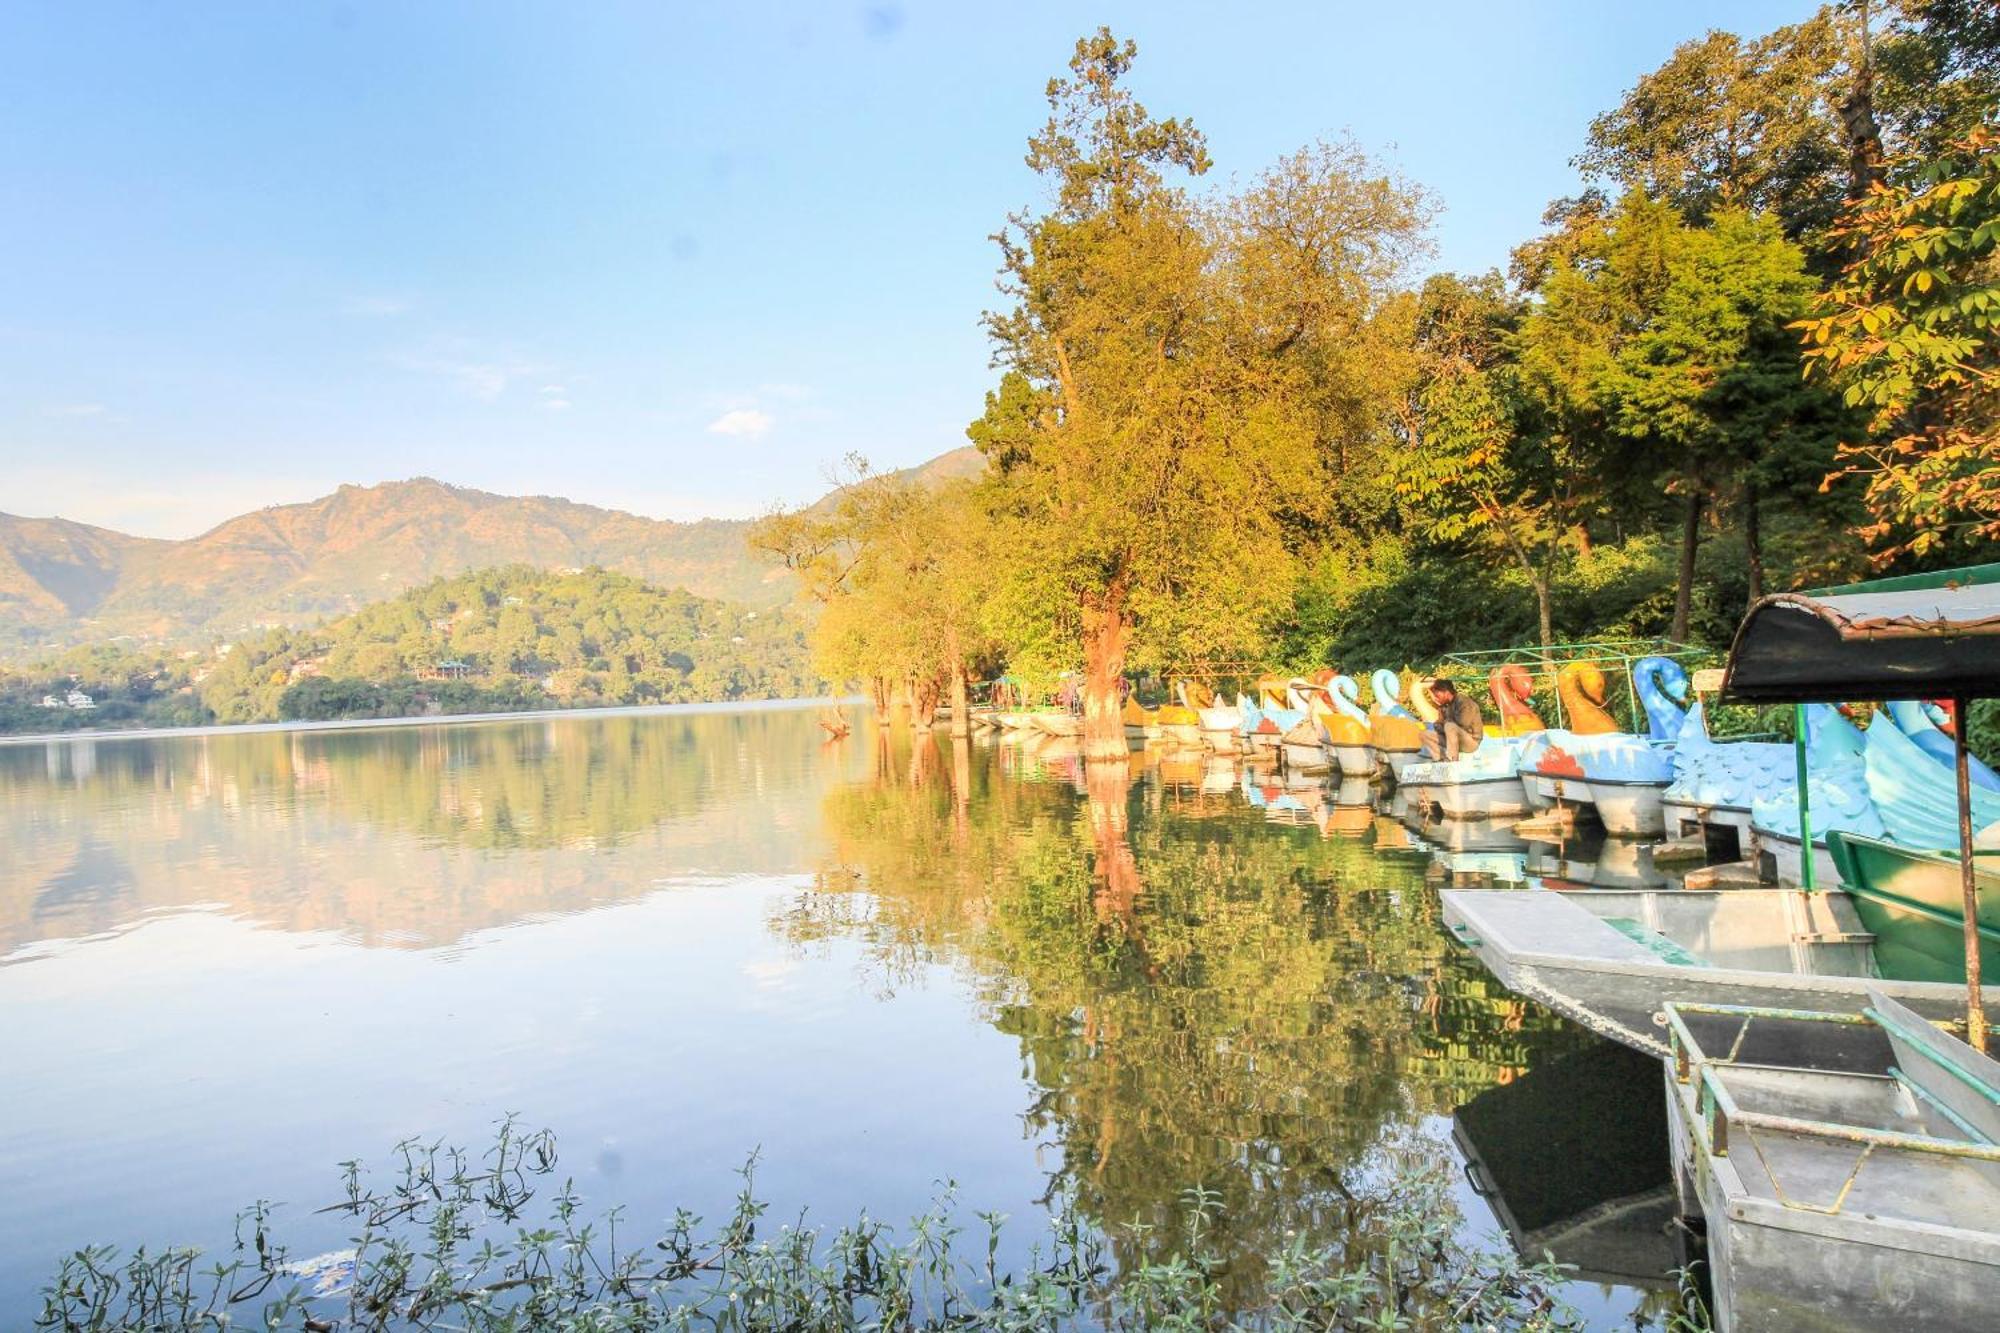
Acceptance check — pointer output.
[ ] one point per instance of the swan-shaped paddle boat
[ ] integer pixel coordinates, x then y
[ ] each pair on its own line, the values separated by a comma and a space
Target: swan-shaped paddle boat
1395, 733
1592, 763
1836, 788
1915, 720
1348, 728
1485, 784
1512, 688
1306, 746
1266, 720
1140, 722
1221, 722
1180, 724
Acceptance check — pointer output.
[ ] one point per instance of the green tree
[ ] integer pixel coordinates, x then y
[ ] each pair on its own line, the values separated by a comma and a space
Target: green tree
1160, 442
1908, 333
1729, 122
1485, 466
1708, 377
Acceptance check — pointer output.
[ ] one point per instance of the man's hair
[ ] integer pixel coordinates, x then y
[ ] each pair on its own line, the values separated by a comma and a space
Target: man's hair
1443, 685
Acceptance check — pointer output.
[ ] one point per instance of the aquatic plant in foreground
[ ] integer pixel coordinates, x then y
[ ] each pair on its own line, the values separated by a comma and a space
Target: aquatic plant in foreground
459, 1242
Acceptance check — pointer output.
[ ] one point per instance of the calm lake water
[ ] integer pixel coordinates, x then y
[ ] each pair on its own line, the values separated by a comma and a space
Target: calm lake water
228, 963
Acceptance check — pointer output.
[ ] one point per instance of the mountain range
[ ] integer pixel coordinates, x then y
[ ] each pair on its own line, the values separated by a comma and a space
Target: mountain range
63, 582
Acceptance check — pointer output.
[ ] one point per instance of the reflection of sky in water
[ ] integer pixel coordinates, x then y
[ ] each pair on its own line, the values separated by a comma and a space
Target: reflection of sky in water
231, 962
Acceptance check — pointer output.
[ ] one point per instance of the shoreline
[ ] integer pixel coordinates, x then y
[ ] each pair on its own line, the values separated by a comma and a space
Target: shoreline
437, 720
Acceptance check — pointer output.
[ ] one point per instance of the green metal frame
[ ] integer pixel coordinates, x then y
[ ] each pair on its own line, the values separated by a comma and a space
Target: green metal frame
1595, 652
1720, 1112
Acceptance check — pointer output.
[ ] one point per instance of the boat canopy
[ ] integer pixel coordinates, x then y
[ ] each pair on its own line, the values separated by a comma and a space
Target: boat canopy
1924, 636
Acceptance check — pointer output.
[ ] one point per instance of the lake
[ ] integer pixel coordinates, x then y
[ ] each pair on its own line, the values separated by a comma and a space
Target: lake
230, 962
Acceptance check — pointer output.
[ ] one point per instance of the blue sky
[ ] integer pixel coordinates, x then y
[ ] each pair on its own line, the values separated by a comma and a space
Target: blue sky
668, 258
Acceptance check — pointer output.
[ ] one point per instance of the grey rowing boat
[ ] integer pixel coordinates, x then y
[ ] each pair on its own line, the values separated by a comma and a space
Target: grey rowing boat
1846, 1166
1612, 958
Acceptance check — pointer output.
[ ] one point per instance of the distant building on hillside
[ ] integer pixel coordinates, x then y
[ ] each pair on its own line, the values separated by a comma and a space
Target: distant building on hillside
76, 699
452, 670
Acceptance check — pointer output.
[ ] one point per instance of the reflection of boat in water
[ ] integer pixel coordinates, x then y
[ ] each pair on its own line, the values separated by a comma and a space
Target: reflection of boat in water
1612, 958
1572, 1159
1349, 813
1391, 836
1847, 1165
1481, 848
1608, 863
1476, 835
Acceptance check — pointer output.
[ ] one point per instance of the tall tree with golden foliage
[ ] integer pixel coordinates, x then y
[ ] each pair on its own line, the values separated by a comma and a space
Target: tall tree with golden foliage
1163, 437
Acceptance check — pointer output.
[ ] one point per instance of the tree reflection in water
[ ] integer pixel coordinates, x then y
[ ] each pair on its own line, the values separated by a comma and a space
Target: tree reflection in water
1202, 998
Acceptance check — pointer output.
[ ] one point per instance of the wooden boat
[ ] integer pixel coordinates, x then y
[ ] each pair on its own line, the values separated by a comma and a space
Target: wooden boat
1848, 1166
1913, 901
1611, 959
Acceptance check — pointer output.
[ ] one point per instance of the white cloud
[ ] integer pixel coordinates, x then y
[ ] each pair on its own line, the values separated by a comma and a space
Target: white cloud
76, 410
744, 423
555, 398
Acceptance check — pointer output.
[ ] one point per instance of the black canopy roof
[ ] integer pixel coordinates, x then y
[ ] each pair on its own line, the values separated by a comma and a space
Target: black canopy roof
1928, 636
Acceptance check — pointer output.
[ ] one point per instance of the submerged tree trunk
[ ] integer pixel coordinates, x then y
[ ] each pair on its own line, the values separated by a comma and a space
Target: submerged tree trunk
924, 701
878, 690
1684, 584
961, 708
1106, 632
1753, 542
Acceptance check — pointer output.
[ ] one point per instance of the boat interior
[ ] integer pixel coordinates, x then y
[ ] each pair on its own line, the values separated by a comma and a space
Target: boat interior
1875, 1114
1755, 930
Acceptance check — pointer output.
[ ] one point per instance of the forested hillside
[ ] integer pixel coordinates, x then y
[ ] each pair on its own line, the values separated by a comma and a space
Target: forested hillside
495, 640
64, 583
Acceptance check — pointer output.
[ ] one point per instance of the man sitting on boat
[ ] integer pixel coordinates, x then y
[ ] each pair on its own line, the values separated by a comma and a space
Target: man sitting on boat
1459, 725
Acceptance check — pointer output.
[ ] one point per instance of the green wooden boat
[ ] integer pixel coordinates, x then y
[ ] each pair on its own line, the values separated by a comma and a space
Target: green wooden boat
1913, 903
